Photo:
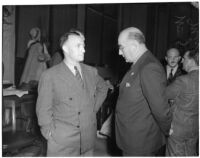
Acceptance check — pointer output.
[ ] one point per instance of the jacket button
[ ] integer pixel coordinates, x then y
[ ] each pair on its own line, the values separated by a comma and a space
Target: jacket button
70, 98
78, 126
79, 113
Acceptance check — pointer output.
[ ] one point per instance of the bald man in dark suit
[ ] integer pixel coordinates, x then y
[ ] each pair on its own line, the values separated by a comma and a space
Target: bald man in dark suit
143, 116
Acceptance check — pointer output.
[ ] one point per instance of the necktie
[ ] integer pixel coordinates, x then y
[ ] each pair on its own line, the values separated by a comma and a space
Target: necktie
170, 76
78, 76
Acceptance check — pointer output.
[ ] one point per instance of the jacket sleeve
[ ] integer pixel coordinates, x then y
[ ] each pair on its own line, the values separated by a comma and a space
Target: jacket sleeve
44, 104
100, 91
153, 83
173, 90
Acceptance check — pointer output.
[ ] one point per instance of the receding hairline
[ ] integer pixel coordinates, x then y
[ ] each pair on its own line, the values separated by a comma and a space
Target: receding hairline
71, 36
173, 50
129, 33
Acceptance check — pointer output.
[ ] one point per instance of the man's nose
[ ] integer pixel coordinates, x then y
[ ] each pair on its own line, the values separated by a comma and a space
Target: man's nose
120, 52
83, 50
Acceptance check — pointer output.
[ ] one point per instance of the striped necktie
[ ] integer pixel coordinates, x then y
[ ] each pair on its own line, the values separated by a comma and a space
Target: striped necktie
78, 76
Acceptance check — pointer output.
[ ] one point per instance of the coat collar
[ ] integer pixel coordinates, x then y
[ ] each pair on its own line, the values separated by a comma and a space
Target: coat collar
135, 67
69, 76
133, 71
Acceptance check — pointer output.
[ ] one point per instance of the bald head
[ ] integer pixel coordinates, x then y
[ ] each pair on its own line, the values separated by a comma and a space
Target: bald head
132, 33
173, 51
131, 43
172, 57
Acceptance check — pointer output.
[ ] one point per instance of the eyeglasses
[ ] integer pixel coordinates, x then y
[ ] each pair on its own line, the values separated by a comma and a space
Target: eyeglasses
121, 48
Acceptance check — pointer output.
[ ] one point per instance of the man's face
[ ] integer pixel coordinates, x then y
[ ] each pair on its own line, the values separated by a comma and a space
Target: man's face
172, 57
187, 62
127, 50
74, 48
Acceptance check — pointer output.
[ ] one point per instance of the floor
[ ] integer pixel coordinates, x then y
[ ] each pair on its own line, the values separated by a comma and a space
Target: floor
103, 147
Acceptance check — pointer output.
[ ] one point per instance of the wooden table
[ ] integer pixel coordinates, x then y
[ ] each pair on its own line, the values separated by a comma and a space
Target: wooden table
24, 108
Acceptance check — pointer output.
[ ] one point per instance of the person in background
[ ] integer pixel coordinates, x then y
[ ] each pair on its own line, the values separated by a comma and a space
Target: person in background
36, 59
184, 91
142, 116
173, 68
56, 58
69, 95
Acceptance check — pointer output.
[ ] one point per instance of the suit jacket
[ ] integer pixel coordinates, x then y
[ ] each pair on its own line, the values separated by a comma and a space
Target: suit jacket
178, 72
142, 112
66, 111
185, 91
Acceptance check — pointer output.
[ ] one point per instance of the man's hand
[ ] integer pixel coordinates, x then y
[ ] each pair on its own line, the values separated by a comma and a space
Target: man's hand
110, 86
171, 130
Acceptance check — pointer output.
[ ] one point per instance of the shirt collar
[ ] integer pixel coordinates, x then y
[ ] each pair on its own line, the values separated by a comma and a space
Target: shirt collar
71, 67
169, 69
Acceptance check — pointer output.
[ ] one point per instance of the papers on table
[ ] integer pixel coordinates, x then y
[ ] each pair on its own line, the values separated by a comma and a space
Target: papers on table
14, 91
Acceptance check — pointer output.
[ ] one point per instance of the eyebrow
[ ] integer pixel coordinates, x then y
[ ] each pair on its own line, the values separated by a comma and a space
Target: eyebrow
173, 56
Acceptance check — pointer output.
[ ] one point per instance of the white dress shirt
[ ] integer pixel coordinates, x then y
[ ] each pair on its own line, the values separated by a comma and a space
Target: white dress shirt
71, 67
169, 70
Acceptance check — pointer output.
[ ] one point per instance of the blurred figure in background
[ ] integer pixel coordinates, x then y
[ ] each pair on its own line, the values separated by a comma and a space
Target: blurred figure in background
56, 58
185, 93
173, 68
36, 60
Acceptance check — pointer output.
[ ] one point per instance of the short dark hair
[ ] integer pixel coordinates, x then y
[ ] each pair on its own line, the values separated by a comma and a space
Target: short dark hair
65, 37
136, 36
194, 54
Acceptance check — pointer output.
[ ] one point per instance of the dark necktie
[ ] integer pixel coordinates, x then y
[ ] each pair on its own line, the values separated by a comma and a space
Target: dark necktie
78, 76
170, 76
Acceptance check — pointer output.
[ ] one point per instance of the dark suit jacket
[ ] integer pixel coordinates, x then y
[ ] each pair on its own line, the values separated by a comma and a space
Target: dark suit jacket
68, 111
178, 72
142, 112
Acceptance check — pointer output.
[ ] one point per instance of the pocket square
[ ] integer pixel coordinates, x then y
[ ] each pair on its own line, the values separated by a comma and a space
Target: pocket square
128, 84
132, 73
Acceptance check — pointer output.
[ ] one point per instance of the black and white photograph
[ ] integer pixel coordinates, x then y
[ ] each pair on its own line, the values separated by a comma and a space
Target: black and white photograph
100, 79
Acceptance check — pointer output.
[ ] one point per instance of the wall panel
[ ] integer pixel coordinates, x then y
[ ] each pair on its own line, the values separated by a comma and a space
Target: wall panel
93, 35
62, 19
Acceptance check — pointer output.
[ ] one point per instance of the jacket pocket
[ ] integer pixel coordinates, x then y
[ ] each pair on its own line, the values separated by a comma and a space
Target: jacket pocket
65, 134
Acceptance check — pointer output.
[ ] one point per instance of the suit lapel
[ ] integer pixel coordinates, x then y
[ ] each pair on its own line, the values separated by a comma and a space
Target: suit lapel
68, 75
86, 77
66, 72
133, 72
88, 86
178, 72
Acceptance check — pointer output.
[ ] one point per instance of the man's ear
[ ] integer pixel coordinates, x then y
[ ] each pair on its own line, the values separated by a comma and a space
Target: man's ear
192, 62
165, 58
134, 45
65, 48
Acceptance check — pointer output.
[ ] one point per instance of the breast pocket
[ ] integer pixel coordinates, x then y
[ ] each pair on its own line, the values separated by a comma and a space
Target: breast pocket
133, 89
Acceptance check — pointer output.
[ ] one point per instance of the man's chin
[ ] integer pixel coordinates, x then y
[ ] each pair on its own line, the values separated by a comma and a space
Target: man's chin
81, 59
